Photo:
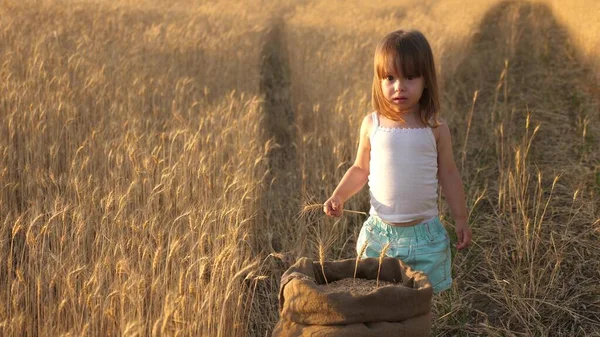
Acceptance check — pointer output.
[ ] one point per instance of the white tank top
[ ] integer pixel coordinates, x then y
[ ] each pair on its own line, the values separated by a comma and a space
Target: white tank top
403, 180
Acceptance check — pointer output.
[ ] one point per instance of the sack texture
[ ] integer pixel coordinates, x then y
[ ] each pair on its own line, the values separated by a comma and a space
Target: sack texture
393, 310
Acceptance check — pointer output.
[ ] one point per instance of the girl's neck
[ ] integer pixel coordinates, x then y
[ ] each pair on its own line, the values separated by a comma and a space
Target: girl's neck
411, 112
410, 119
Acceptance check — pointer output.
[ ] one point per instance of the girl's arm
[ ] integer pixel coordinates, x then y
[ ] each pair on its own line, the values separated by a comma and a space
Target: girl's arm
356, 176
452, 186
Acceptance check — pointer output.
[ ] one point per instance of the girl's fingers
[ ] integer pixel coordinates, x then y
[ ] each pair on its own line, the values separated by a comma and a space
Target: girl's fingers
461, 239
327, 208
331, 208
467, 239
459, 236
464, 238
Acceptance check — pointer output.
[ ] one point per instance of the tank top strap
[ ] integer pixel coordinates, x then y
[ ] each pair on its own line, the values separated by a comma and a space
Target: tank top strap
432, 137
375, 123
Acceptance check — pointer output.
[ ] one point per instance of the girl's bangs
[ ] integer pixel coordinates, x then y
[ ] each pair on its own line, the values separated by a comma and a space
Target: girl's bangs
397, 58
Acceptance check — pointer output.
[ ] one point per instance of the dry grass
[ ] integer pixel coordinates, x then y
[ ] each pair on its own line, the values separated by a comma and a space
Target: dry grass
154, 157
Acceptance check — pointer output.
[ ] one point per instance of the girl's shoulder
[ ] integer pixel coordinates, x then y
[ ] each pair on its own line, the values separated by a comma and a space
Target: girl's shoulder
368, 123
441, 129
370, 119
371, 116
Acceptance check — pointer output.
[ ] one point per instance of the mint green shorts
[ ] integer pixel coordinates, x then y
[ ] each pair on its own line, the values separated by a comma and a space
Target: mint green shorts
424, 247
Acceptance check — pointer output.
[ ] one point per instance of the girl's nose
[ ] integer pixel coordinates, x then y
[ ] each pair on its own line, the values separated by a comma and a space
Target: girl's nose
398, 86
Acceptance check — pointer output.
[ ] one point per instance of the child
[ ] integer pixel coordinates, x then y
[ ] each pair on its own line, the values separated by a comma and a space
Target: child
403, 150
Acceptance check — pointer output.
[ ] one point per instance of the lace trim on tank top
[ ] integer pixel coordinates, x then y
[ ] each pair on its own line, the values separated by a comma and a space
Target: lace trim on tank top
384, 129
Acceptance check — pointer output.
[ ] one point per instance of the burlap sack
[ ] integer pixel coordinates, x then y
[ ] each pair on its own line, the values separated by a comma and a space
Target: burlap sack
396, 310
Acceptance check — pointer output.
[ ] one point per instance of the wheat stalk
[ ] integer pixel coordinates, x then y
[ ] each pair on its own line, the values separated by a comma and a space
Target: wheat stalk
312, 207
381, 256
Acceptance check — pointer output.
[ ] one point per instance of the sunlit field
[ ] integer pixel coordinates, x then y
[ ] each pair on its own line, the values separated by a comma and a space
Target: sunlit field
155, 157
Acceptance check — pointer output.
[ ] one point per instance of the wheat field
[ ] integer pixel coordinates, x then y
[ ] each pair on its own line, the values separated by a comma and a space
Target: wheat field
155, 157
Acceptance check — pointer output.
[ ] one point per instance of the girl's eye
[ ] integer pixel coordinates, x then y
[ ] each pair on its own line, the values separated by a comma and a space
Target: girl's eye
410, 78
389, 77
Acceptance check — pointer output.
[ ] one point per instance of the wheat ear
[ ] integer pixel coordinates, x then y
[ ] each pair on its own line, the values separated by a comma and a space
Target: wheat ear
322, 260
360, 254
381, 256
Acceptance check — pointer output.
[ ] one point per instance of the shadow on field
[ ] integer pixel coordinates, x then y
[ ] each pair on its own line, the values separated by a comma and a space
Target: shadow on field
279, 128
275, 86
522, 59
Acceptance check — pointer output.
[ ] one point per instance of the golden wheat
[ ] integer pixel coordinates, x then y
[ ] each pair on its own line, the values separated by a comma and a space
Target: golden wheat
359, 255
319, 207
381, 257
154, 154
322, 260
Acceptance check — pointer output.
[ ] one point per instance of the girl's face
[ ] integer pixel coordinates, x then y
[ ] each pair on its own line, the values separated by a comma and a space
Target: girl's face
403, 91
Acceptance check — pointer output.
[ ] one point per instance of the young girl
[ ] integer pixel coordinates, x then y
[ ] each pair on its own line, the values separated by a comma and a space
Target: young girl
403, 150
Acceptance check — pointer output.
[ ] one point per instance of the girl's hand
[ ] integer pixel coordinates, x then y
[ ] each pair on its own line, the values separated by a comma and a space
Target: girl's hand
334, 206
463, 233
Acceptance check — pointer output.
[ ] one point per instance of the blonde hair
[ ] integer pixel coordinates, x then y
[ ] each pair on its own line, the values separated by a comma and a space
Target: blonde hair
409, 53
